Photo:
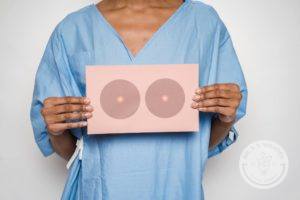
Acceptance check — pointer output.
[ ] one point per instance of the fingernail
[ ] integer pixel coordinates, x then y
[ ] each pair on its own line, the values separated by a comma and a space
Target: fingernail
84, 123
87, 114
89, 108
86, 100
201, 108
196, 97
198, 91
194, 105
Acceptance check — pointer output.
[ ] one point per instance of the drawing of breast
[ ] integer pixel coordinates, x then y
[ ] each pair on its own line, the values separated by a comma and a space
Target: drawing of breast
120, 99
165, 98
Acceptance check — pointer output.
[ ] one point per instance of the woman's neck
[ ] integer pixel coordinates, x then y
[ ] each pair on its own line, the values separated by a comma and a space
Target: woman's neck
140, 4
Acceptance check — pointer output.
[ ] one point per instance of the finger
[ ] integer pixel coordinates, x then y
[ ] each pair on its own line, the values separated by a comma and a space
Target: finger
216, 94
214, 102
66, 108
228, 111
217, 86
52, 119
60, 127
53, 101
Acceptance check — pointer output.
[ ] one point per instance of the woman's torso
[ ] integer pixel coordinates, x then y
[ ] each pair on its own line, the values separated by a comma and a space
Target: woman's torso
141, 166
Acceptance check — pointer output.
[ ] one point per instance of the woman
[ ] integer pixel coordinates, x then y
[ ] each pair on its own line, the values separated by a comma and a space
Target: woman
137, 166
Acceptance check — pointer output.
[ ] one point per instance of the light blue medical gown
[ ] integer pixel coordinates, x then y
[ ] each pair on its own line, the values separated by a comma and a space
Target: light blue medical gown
154, 166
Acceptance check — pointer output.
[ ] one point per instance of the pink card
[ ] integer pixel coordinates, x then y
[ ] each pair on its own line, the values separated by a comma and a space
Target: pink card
142, 98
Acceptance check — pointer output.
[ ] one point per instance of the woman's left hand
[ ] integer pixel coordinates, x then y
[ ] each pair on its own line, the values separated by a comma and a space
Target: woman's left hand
223, 99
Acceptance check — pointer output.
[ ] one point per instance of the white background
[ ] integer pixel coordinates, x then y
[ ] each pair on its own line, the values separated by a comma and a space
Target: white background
266, 35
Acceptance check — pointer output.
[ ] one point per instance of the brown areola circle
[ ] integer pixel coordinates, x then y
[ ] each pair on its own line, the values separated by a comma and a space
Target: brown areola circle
120, 99
165, 98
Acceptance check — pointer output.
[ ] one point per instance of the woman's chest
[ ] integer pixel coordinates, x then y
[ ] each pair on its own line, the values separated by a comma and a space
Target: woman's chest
167, 47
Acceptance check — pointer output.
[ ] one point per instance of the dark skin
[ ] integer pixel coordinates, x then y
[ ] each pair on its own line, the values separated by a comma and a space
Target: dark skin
56, 111
223, 99
142, 19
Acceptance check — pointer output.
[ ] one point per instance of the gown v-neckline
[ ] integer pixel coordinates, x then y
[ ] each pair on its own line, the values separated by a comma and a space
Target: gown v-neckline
150, 40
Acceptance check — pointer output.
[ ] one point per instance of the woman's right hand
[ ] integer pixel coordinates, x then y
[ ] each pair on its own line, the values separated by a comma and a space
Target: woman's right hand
58, 111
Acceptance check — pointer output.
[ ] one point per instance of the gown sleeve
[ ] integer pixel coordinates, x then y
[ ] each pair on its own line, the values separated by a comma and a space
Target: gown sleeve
50, 81
228, 70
